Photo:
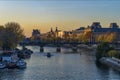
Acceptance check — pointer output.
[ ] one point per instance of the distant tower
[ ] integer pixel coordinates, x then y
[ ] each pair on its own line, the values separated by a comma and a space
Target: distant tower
56, 29
88, 26
51, 29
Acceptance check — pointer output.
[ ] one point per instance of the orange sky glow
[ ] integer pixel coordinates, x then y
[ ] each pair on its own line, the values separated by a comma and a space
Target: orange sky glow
66, 15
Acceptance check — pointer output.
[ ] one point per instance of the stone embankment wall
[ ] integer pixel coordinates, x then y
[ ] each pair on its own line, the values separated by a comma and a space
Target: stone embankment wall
112, 62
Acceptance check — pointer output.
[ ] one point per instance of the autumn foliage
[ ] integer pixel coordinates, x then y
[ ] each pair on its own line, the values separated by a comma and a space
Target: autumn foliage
107, 37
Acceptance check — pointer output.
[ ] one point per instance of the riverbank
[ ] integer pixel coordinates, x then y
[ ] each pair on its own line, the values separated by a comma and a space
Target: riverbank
111, 62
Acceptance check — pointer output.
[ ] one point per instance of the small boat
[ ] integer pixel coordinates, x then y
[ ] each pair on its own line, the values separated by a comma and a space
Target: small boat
11, 65
21, 64
25, 54
30, 51
27, 51
2, 65
48, 54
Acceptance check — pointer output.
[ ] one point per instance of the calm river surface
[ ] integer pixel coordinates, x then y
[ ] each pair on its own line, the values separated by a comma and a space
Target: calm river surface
60, 66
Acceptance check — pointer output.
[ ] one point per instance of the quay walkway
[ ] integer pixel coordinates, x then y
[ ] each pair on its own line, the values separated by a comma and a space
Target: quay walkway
112, 62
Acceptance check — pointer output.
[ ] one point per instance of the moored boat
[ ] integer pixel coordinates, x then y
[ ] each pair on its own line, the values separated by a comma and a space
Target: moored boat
2, 65
21, 64
11, 65
48, 54
25, 53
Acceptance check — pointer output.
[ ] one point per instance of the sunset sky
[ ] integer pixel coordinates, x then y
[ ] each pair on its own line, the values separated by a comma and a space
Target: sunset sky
65, 14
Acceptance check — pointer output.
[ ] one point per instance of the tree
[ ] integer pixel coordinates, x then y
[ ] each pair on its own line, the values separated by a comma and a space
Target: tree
112, 37
80, 37
107, 37
87, 35
112, 53
102, 50
66, 36
1, 32
100, 38
84, 38
11, 34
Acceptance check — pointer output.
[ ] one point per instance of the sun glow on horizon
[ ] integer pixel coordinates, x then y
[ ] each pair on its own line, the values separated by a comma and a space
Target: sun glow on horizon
66, 15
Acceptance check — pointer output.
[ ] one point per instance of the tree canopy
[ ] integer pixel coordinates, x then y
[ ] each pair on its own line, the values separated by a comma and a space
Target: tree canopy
10, 35
107, 37
102, 50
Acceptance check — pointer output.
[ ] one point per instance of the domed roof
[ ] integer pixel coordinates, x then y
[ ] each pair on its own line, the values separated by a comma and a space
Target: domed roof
114, 25
95, 25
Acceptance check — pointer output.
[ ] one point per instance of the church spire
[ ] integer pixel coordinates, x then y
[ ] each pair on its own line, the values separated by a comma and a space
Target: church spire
56, 29
51, 29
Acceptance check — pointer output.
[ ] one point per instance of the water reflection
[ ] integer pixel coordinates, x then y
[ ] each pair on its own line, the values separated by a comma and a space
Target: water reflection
11, 74
60, 67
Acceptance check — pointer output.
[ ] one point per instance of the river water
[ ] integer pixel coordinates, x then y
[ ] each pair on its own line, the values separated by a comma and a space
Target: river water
61, 66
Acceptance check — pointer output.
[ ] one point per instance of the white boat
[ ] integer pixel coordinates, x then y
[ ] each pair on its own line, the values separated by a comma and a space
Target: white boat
2, 65
21, 64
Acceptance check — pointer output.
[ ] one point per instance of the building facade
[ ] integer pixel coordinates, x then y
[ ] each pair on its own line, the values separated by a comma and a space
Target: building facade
97, 30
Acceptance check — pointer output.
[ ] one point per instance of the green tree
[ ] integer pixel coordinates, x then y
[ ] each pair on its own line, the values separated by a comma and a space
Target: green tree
112, 53
102, 50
